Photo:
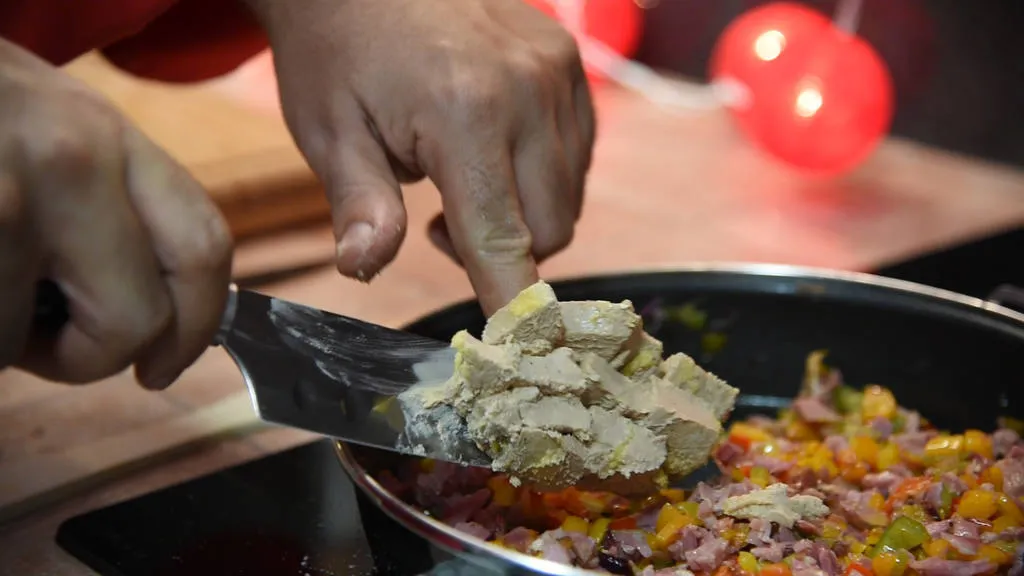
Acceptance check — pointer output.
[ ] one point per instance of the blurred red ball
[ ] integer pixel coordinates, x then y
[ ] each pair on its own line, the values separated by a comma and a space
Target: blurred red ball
815, 97
618, 24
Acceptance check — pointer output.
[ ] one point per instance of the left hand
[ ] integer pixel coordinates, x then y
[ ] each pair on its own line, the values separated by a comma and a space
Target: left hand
486, 97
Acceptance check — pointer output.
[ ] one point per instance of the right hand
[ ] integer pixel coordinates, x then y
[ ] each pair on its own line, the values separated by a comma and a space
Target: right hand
139, 249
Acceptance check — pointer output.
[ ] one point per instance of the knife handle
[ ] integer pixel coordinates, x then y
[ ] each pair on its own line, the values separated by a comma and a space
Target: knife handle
51, 309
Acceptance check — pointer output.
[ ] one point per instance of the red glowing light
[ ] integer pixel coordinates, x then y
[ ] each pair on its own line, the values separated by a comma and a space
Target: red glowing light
816, 97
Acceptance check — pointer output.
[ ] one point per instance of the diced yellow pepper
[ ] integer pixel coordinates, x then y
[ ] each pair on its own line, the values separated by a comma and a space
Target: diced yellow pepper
502, 491
799, 431
877, 401
938, 548
889, 564
993, 475
888, 456
760, 476
857, 547
674, 495
873, 536
748, 562
1004, 523
876, 500
669, 514
426, 464
689, 508
576, 524
978, 504
866, 449
1009, 508
993, 554
743, 435
944, 446
598, 528
977, 442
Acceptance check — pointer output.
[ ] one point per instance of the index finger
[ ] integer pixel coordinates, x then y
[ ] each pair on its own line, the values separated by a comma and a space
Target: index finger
486, 224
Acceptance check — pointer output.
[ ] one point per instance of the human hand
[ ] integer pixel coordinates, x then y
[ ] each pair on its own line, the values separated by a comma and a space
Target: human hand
135, 244
486, 97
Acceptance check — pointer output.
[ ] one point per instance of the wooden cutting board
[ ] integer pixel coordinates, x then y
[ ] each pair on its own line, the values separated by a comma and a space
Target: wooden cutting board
243, 155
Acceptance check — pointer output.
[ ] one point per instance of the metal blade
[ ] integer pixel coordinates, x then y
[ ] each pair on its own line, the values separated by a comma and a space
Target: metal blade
339, 376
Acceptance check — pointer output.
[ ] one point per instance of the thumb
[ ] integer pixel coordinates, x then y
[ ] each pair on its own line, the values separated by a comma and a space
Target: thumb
366, 202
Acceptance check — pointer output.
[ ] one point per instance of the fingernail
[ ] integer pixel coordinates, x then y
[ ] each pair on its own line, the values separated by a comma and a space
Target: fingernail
356, 241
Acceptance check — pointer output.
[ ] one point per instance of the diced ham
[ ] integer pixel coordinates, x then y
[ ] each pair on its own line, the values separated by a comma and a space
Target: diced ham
519, 538
827, 560
632, 543
913, 442
459, 508
774, 465
473, 529
1013, 476
727, 454
773, 552
963, 544
883, 481
836, 443
815, 411
936, 528
911, 420
940, 567
964, 528
709, 555
760, 532
1003, 440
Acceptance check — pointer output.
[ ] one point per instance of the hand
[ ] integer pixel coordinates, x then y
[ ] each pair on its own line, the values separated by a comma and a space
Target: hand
138, 248
486, 97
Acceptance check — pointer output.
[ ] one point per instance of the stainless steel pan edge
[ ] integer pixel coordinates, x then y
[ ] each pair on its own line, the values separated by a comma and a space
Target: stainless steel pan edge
499, 560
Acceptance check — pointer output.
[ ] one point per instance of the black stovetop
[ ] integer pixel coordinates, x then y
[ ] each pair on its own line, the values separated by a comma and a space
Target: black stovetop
297, 513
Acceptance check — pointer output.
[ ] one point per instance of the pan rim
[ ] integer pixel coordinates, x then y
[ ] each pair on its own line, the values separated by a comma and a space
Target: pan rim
423, 524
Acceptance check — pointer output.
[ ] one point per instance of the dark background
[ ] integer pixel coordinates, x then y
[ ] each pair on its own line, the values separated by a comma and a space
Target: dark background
957, 65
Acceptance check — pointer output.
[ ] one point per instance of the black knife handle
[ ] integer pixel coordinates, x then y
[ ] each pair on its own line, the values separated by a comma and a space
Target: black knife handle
51, 309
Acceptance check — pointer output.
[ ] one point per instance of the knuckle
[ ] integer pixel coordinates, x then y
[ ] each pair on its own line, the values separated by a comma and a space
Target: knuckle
476, 97
73, 145
506, 244
565, 51
206, 248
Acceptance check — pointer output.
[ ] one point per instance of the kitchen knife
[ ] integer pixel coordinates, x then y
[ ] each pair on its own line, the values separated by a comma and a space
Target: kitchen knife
325, 373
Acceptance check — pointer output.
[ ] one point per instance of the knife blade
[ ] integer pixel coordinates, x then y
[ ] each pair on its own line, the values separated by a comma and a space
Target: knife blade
328, 374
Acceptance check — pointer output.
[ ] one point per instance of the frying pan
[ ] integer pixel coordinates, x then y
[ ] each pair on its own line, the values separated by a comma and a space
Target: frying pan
956, 359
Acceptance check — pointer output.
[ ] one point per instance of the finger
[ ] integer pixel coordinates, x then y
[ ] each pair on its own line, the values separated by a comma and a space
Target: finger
193, 246
97, 251
365, 196
437, 231
572, 143
484, 218
18, 270
586, 127
545, 190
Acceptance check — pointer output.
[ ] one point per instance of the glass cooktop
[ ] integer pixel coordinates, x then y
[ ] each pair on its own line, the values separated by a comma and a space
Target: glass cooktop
296, 512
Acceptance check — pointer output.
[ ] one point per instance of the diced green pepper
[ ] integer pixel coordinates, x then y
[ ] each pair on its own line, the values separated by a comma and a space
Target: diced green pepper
712, 342
904, 533
847, 399
945, 502
690, 316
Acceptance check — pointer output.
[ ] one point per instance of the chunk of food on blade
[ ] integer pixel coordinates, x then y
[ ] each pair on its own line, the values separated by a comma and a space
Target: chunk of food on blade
567, 393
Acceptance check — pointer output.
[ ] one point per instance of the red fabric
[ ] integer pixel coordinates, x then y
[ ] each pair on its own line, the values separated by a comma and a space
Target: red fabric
168, 40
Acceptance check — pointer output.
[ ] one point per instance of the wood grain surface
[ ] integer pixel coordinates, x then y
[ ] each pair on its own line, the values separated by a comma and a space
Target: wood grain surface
244, 157
665, 189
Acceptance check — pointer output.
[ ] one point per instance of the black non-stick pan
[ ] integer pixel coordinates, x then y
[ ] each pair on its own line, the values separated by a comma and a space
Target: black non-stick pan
956, 359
